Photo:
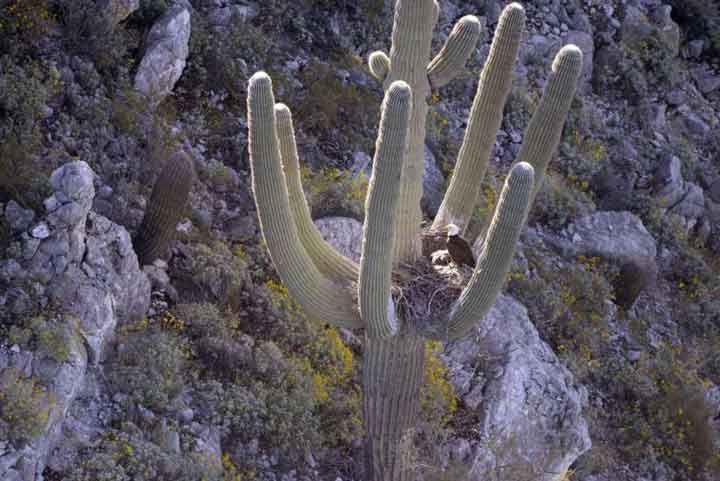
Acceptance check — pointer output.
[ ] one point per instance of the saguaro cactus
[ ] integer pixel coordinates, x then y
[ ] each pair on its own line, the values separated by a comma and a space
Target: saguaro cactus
335, 289
166, 204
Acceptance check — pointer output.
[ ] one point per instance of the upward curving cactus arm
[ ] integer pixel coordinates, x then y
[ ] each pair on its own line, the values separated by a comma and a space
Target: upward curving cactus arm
379, 64
484, 122
376, 306
322, 298
543, 134
456, 51
492, 266
329, 261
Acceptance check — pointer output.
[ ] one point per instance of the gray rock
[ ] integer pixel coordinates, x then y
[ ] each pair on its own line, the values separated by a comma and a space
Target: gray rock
41, 231
433, 183
88, 265
531, 407
164, 59
343, 233
674, 194
705, 80
621, 238
714, 191
612, 235
18, 219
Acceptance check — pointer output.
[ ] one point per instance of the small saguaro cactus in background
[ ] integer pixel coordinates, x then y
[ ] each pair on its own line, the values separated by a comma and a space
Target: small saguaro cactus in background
164, 209
334, 289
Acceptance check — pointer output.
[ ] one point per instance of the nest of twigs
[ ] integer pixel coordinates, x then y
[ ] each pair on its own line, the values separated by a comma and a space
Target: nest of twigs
424, 293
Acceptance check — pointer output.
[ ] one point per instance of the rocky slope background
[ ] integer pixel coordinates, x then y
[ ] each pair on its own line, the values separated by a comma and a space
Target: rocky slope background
599, 362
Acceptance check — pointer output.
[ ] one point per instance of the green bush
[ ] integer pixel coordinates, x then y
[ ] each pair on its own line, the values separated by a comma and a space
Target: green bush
559, 202
24, 407
149, 366
124, 455
51, 338
24, 93
22, 24
91, 32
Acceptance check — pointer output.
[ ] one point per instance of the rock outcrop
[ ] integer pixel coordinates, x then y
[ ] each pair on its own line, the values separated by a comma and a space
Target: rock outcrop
165, 55
530, 406
79, 271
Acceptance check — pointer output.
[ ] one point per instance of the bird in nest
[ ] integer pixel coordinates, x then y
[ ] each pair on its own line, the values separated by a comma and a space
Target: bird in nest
458, 248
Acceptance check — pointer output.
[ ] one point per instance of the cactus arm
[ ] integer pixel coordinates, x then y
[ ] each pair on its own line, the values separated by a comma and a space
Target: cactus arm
543, 133
456, 51
484, 121
319, 296
328, 260
379, 64
409, 57
164, 209
492, 266
376, 307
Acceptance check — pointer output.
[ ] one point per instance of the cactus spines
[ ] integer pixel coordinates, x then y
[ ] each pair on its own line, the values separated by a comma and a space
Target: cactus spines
484, 121
456, 51
543, 133
379, 64
334, 289
393, 371
329, 261
166, 204
376, 306
494, 262
321, 297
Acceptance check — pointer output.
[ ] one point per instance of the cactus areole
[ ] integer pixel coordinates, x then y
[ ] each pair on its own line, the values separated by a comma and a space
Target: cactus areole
334, 289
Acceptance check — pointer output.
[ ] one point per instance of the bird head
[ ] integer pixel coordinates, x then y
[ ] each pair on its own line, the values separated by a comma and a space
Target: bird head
453, 230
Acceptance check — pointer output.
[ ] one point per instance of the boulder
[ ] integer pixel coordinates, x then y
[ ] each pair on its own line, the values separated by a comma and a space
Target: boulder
528, 401
344, 234
620, 238
85, 265
674, 194
167, 50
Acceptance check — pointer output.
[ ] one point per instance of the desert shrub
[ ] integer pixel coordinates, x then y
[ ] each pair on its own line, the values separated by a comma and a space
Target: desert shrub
90, 31
330, 101
670, 417
124, 455
24, 407
335, 192
568, 306
50, 338
22, 24
24, 93
559, 202
211, 272
149, 366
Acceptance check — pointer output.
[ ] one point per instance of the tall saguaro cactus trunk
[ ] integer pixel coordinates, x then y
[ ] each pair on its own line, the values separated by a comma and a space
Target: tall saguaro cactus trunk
334, 289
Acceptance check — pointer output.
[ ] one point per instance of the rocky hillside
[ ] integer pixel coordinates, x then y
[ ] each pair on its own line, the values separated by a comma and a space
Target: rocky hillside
600, 361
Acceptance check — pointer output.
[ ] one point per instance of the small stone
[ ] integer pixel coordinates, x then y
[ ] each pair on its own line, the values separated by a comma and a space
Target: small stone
186, 415
41, 231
